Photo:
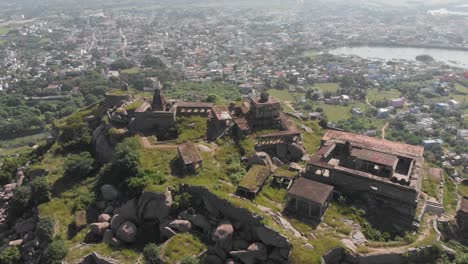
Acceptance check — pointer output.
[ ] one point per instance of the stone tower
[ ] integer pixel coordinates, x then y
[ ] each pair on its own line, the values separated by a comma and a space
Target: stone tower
159, 102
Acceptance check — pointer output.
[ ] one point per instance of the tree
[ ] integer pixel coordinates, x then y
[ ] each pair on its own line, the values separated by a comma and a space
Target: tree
56, 252
40, 188
323, 123
121, 64
153, 62
10, 255
78, 165
211, 98
125, 161
75, 134
90, 99
281, 84
151, 254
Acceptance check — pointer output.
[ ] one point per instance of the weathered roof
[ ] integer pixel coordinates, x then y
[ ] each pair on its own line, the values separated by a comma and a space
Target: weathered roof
195, 105
222, 113
284, 173
189, 153
242, 123
375, 157
255, 178
286, 133
375, 143
464, 205
256, 100
311, 190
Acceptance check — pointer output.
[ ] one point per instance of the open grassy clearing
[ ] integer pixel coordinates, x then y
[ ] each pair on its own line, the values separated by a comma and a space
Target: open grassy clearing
336, 113
327, 87
133, 70
181, 246
380, 95
430, 183
450, 195
285, 95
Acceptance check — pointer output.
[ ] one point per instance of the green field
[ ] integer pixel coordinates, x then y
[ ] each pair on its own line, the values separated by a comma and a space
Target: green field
327, 87
380, 95
336, 113
133, 70
283, 95
4, 30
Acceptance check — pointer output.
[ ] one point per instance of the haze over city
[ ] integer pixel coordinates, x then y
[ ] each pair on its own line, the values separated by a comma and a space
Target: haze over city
233, 132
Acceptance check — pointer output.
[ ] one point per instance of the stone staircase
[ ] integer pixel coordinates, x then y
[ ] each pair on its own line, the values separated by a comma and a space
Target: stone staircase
434, 208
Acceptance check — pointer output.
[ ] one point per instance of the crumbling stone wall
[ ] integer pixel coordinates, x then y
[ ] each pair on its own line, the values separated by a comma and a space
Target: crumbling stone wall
417, 256
112, 100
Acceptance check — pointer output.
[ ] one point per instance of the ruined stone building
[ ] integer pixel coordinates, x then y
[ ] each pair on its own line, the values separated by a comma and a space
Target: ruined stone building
190, 159
462, 218
309, 198
157, 116
264, 112
385, 174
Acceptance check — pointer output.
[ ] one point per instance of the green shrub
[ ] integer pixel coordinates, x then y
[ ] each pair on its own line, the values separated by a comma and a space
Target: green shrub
78, 165
126, 157
151, 254
56, 252
46, 228
190, 260
145, 178
75, 134
20, 200
40, 188
11, 255
182, 201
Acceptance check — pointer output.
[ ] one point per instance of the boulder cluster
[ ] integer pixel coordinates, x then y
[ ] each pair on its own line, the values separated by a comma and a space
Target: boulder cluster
23, 233
232, 240
119, 225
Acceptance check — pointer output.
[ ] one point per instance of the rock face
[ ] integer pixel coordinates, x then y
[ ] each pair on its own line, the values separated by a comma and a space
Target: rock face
197, 220
260, 158
116, 221
104, 218
101, 144
155, 206
181, 225
25, 226
109, 192
127, 232
223, 232
98, 228
271, 238
296, 151
129, 211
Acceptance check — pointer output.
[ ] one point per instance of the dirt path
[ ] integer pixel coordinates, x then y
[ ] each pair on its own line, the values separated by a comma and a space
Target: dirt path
289, 104
147, 144
401, 249
383, 130
369, 104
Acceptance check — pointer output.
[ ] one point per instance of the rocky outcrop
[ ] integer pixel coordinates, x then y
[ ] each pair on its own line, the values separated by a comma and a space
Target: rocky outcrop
155, 206
261, 158
109, 192
102, 145
127, 232
181, 225
413, 255
95, 258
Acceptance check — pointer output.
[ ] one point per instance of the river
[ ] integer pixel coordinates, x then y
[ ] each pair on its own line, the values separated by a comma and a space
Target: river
456, 58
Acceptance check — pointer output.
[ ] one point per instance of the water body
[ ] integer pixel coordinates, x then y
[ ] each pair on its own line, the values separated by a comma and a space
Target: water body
456, 58
460, 10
